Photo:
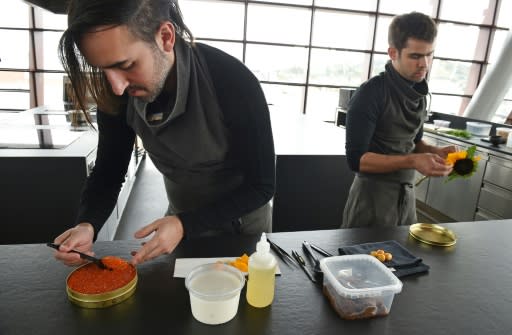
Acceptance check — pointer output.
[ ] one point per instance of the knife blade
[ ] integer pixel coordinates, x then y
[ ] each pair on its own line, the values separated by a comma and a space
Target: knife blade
302, 264
95, 260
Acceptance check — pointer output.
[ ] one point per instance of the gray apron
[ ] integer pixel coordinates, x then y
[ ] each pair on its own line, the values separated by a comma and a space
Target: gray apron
190, 146
388, 199
380, 202
183, 199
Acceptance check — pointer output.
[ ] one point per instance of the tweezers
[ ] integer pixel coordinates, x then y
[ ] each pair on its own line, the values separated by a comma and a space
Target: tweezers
281, 253
320, 250
95, 260
302, 263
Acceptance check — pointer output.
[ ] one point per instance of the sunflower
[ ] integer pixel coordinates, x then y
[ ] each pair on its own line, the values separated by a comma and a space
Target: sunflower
465, 163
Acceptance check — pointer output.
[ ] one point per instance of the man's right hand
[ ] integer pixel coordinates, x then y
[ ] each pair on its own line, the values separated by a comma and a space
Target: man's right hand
78, 238
431, 165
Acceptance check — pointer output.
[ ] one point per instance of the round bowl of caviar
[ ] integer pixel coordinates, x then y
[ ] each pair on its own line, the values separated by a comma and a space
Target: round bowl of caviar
90, 286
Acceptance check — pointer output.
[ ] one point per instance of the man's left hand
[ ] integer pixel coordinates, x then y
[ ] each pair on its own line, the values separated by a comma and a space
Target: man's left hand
168, 232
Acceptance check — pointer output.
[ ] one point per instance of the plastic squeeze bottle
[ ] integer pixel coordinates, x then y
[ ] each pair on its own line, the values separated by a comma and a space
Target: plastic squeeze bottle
262, 275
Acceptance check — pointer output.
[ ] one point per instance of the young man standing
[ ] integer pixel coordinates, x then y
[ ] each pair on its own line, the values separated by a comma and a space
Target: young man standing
201, 115
385, 127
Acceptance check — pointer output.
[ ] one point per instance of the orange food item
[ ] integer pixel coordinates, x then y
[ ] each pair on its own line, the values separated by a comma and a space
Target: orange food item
241, 263
90, 279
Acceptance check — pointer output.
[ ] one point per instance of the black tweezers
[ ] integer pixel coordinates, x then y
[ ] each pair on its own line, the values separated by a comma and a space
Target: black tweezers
281, 253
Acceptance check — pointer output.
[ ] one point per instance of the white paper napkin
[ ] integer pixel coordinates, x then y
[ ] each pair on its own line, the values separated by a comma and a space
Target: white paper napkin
183, 266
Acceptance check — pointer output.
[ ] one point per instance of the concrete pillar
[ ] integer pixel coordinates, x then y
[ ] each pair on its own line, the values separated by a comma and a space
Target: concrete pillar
493, 87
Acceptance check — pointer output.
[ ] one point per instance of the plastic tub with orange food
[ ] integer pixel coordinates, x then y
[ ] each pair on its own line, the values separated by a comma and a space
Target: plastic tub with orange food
92, 287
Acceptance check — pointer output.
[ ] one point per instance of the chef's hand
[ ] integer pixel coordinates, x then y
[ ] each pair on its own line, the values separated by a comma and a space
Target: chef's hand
78, 238
444, 151
429, 164
168, 233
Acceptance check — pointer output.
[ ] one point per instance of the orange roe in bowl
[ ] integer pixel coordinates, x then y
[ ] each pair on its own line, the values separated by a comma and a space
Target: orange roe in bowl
90, 279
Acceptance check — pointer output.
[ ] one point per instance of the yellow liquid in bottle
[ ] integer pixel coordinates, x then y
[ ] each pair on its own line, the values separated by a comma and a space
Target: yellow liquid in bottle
260, 286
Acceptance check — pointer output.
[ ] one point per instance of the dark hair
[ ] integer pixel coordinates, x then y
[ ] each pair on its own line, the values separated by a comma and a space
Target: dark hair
142, 17
412, 25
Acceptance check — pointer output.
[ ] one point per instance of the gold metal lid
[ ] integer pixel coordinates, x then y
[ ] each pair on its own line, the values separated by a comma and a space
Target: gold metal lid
101, 300
433, 234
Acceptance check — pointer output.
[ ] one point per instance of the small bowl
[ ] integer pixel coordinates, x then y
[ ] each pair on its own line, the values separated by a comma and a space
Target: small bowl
478, 128
214, 291
441, 123
496, 140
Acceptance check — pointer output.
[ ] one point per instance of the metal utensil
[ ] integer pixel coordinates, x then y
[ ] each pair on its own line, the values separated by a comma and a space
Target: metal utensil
320, 250
282, 253
316, 262
95, 260
302, 264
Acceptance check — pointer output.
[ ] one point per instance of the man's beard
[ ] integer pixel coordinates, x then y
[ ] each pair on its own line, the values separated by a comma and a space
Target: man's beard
161, 70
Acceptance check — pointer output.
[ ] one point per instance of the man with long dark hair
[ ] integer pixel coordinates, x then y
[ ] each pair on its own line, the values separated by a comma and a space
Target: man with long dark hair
385, 128
200, 113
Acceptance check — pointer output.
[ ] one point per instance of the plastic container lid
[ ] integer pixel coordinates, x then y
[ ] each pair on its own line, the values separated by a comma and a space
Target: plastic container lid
359, 276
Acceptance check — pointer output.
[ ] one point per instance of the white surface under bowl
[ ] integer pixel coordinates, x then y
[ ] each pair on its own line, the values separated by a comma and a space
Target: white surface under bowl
214, 291
478, 128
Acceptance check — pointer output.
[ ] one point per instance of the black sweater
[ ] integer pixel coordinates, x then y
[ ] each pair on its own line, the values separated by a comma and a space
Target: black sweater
247, 119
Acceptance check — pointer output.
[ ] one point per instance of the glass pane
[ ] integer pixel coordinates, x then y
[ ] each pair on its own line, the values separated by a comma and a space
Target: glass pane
508, 96
234, 49
284, 98
14, 58
381, 39
14, 100
332, 29
14, 80
379, 63
14, 14
341, 68
265, 23
474, 11
46, 50
427, 7
368, 5
52, 90
497, 44
503, 111
293, 2
453, 77
449, 104
48, 20
473, 48
202, 17
274, 63
504, 14
322, 103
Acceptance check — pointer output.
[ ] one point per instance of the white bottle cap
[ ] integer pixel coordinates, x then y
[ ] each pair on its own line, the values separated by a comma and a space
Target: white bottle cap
263, 246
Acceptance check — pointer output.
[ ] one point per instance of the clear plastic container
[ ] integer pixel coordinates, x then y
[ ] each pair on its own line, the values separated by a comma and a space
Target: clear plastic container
214, 291
359, 286
503, 132
478, 128
442, 123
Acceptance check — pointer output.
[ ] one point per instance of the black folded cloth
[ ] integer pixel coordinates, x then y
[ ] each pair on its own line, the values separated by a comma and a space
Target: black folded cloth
403, 262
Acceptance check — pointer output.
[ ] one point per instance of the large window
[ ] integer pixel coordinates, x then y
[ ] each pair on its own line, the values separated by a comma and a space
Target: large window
30, 72
302, 51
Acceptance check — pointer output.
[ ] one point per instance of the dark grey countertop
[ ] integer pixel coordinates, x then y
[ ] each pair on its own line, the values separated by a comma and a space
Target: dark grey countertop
500, 150
466, 291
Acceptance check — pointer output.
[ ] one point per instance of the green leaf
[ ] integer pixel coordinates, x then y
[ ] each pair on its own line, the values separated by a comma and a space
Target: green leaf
471, 151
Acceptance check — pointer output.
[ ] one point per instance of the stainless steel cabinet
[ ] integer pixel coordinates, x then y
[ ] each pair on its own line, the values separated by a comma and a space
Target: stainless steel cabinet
496, 193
